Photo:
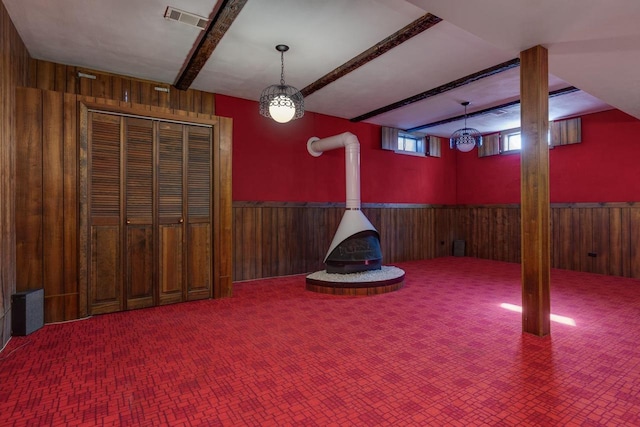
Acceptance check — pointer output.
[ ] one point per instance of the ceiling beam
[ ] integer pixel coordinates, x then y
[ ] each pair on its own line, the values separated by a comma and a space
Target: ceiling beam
441, 89
219, 25
413, 29
552, 94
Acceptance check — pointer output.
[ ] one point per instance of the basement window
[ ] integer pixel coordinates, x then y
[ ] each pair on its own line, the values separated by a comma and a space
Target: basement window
511, 141
401, 142
410, 143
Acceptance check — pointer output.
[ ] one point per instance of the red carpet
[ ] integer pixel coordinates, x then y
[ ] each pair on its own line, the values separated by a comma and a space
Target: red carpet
441, 351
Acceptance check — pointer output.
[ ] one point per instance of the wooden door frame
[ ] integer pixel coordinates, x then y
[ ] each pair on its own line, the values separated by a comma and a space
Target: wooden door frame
221, 200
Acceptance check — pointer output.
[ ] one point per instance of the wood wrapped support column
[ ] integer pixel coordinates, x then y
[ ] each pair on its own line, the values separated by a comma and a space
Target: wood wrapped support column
535, 209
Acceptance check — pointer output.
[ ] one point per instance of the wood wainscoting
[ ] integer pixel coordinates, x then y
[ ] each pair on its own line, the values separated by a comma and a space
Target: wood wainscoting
601, 238
489, 231
283, 238
280, 238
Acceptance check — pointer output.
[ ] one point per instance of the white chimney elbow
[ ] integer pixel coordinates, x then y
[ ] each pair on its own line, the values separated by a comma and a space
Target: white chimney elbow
316, 146
310, 147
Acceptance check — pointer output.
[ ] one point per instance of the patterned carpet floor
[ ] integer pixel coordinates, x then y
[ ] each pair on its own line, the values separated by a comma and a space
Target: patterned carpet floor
445, 350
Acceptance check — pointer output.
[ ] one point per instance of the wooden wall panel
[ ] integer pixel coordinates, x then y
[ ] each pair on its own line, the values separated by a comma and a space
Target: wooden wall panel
239, 244
626, 239
286, 236
64, 78
251, 219
29, 192
270, 241
601, 239
311, 219
14, 72
52, 203
585, 240
615, 261
562, 235
574, 251
389, 236
499, 239
69, 296
485, 232
299, 250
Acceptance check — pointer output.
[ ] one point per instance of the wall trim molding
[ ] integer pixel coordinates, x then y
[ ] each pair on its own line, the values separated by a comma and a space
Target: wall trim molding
276, 204
283, 204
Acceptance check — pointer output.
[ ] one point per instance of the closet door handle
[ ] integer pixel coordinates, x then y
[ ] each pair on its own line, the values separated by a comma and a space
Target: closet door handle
181, 221
128, 221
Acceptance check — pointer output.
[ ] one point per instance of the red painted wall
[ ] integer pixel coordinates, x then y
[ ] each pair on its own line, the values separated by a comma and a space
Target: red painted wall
603, 168
271, 162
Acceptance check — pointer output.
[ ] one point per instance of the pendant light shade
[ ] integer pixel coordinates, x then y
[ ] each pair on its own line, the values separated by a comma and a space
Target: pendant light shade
466, 138
280, 102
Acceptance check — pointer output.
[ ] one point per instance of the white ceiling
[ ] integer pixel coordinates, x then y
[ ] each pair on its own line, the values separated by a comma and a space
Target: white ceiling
593, 45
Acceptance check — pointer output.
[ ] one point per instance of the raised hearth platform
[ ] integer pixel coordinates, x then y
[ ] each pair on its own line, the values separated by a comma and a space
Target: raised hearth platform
374, 282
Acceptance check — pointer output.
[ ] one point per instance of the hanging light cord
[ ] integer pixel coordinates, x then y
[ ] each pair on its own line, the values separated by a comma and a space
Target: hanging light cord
465, 116
281, 68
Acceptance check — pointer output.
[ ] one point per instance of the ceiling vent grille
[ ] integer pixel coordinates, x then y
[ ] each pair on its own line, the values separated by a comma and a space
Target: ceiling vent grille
186, 17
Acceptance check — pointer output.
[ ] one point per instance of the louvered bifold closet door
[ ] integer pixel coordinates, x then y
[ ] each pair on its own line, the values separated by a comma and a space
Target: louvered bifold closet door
199, 217
170, 212
139, 236
103, 154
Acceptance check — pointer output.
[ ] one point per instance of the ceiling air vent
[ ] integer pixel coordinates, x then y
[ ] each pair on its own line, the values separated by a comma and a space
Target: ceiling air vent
186, 17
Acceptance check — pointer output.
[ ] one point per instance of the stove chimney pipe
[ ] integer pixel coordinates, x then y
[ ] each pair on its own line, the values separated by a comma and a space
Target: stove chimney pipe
353, 221
349, 141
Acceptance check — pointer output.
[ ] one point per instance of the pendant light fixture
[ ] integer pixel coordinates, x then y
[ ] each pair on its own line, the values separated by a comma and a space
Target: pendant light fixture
466, 138
280, 102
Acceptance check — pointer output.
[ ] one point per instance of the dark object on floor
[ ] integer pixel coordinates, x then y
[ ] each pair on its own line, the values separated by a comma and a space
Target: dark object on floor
27, 311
